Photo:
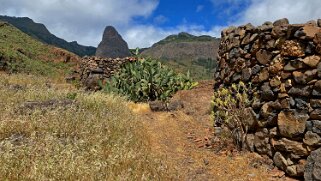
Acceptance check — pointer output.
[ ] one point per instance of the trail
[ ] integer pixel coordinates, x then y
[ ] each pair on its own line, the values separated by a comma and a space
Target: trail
185, 139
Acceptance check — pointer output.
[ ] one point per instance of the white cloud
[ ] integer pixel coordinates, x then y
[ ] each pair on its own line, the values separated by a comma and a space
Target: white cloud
146, 35
82, 20
297, 11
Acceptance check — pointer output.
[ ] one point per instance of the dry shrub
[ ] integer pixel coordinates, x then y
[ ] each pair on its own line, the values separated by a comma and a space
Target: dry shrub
229, 111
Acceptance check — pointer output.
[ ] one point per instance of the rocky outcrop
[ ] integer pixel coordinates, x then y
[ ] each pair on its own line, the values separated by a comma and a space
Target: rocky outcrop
112, 45
92, 70
282, 64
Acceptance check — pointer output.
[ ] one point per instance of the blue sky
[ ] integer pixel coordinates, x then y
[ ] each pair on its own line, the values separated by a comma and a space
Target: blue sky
144, 22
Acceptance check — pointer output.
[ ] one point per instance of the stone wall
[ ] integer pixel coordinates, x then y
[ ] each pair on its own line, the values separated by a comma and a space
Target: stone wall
282, 63
91, 70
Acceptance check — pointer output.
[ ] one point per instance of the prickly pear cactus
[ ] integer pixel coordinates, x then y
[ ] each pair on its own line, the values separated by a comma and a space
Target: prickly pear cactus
147, 80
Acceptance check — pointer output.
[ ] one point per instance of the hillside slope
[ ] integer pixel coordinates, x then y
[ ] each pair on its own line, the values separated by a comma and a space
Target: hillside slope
185, 52
22, 53
40, 32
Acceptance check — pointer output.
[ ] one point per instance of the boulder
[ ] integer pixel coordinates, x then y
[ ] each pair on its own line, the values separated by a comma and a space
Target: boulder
112, 45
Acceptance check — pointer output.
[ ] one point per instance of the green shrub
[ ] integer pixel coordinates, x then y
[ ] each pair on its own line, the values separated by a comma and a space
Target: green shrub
147, 80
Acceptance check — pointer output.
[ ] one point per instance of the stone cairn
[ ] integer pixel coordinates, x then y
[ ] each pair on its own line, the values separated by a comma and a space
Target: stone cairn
92, 70
281, 61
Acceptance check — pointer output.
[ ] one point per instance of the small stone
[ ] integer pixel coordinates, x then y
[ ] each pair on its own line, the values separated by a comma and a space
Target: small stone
276, 68
279, 31
282, 88
300, 91
291, 170
281, 22
250, 142
294, 65
301, 104
299, 77
285, 75
246, 74
294, 147
316, 114
310, 31
263, 56
275, 82
312, 61
285, 103
291, 123
280, 161
312, 139
256, 69
264, 75
267, 94
313, 166
261, 142
315, 103
157, 106
174, 105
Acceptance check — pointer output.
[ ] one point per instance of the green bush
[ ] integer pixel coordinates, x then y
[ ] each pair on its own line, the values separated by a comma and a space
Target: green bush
147, 80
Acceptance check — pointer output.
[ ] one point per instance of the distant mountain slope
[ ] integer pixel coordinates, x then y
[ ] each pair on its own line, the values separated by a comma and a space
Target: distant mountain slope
40, 32
21, 53
185, 52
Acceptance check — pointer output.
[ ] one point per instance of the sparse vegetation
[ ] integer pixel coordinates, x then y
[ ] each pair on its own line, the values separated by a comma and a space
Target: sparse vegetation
93, 137
229, 109
21, 53
184, 37
147, 80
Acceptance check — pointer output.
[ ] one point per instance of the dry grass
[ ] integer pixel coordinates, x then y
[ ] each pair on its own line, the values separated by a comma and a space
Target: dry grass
95, 138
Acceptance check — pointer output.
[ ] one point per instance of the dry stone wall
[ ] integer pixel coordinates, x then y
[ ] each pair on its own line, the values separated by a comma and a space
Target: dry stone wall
91, 70
281, 62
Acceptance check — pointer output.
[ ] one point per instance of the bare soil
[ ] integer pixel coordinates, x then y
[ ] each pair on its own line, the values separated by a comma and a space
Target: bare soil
186, 140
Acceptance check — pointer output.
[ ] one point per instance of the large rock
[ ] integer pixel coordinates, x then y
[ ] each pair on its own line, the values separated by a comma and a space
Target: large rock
112, 45
290, 146
313, 167
292, 123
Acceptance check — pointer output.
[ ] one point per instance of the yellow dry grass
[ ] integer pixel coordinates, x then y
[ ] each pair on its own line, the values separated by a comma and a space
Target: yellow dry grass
96, 137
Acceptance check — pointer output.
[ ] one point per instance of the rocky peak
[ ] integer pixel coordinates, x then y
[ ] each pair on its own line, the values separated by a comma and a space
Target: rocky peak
112, 45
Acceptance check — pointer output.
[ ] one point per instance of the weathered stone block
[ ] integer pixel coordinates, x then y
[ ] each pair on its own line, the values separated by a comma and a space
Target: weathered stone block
291, 123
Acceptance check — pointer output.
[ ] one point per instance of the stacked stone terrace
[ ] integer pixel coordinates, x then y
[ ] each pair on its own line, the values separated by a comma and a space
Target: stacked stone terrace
281, 62
92, 70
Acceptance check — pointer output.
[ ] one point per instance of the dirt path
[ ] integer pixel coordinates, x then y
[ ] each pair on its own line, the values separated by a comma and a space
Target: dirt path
183, 138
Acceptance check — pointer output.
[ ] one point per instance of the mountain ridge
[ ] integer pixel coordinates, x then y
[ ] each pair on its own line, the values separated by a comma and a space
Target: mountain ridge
41, 33
185, 52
